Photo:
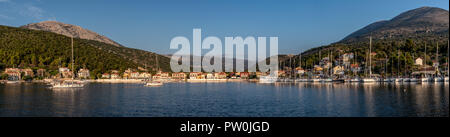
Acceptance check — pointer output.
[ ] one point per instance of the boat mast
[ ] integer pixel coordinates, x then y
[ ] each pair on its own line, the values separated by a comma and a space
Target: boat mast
331, 60
437, 58
300, 64
370, 58
425, 58
73, 71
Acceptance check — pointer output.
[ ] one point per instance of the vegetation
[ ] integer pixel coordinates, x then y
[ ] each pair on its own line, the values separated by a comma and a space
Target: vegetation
24, 48
393, 56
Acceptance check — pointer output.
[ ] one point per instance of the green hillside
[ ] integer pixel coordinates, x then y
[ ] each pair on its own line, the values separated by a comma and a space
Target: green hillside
26, 48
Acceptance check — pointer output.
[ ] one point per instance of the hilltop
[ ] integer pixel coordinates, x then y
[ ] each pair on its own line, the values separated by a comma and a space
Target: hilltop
70, 31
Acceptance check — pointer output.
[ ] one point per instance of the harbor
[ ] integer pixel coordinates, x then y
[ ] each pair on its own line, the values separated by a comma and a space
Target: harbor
230, 99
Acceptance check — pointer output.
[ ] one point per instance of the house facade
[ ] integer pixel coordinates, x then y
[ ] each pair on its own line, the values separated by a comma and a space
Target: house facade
84, 73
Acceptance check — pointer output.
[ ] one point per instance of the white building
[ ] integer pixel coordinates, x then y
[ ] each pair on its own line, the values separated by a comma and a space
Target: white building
419, 62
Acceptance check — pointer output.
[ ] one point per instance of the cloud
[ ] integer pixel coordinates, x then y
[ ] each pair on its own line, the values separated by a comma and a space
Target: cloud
32, 11
5, 17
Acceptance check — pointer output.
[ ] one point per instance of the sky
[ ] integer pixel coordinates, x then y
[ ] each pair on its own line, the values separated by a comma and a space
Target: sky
151, 24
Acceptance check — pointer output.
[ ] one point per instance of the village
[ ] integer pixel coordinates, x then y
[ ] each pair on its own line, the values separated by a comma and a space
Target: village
342, 68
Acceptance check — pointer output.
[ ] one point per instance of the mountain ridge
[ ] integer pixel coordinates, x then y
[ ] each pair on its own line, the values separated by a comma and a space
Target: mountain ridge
70, 31
429, 20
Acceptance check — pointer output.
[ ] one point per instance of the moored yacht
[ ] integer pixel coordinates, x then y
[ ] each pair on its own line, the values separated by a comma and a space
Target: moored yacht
406, 80
414, 80
153, 84
67, 84
385, 80
368, 80
398, 80
355, 80
425, 79
268, 79
438, 79
327, 80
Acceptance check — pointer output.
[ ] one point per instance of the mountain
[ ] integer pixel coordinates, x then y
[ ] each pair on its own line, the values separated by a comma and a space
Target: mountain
70, 31
399, 40
424, 20
27, 48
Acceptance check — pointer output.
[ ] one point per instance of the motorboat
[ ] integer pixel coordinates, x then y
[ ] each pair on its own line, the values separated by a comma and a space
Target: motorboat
355, 80
268, 79
153, 84
67, 84
368, 80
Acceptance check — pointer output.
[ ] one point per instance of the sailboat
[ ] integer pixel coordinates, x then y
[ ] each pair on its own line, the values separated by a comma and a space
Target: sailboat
438, 78
370, 79
425, 78
72, 83
153, 83
448, 72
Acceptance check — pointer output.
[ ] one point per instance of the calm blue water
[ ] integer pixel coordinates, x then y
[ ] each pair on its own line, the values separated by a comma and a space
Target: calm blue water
227, 99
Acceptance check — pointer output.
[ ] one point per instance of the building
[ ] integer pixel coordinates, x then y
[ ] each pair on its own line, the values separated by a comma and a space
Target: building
134, 75
27, 72
259, 74
65, 73
299, 70
210, 76
196, 75
281, 73
115, 76
355, 68
41, 73
164, 75
84, 73
145, 75
339, 70
220, 75
317, 68
346, 58
244, 75
106, 76
179, 75
13, 73
418, 61
156, 76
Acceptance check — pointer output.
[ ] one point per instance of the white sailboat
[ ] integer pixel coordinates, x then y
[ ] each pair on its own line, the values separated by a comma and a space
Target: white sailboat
370, 79
153, 83
72, 83
438, 78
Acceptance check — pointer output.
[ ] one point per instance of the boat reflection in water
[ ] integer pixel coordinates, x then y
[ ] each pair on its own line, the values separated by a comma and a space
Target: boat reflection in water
234, 99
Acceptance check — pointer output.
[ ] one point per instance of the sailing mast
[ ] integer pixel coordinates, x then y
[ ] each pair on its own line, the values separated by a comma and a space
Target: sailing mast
370, 58
331, 60
300, 63
437, 58
73, 70
425, 58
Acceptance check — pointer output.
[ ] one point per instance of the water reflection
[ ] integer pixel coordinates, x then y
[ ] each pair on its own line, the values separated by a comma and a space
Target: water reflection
228, 99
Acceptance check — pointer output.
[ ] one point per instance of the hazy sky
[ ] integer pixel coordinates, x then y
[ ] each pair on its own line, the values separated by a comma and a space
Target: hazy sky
150, 25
